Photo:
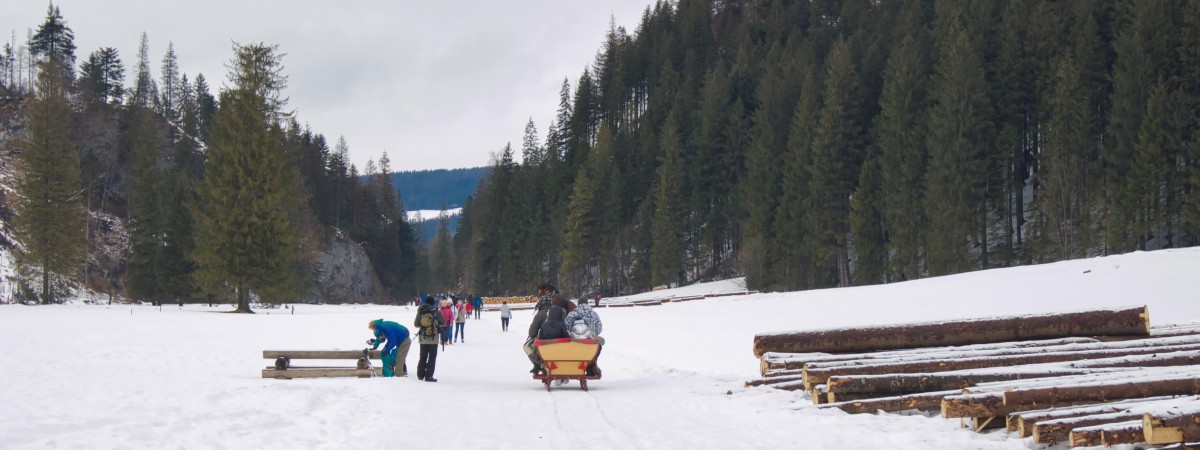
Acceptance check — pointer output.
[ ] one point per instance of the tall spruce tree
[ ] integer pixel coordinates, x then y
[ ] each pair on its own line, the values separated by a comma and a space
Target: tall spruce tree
899, 133
666, 251
959, 129
54, 41
837, 152
245, 238
104, 76
49, 216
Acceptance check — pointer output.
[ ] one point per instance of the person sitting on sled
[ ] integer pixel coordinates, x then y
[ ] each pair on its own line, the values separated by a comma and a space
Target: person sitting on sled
396, 349
584, 323
545, 291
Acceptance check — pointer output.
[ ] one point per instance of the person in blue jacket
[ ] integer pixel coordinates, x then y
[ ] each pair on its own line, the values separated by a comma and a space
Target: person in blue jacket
395, 352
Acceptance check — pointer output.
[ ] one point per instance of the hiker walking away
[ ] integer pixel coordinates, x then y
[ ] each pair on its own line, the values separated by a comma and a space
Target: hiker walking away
584, 323
460, 321
429, 325
395, 352
447, 312
478, 307
597, 299
505, 316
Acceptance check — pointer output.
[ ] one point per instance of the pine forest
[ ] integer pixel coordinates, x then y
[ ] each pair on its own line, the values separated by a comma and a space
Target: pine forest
800, 144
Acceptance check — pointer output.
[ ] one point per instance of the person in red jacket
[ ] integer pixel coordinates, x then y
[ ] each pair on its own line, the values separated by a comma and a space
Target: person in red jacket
447, 311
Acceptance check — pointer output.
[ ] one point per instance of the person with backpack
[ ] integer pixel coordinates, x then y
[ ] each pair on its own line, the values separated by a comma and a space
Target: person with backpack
460, 321
505, 316
395, 352
584, 323
429, 325
478, 306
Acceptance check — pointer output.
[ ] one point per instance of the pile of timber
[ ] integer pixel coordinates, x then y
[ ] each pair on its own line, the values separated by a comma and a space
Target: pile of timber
1099, 377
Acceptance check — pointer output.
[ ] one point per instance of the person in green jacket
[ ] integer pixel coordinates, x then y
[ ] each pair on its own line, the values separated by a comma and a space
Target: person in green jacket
396, 349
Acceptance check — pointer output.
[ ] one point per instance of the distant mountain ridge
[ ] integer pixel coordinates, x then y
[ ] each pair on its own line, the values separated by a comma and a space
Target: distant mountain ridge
433, 189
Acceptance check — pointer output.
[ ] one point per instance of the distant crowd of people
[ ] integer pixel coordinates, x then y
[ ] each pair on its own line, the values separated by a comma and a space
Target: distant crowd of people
441, 320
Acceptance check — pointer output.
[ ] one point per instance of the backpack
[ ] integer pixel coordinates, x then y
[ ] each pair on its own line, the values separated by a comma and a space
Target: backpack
428, 324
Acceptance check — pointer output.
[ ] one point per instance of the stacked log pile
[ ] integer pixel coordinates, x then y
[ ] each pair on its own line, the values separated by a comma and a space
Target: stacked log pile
1099, 377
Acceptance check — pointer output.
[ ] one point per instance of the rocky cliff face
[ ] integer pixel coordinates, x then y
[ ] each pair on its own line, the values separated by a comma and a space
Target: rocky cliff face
345, 275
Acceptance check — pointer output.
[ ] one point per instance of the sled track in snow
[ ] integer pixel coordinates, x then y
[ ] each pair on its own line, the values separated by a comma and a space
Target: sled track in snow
603, 415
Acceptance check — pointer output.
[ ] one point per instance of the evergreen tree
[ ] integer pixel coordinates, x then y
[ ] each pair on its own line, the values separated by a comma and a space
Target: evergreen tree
666, 251
959, 132
149, 203
899, 133
49, 217
54, 41
168, 101
104, 76
144, 90
1062, 171
440, 255
246, 240
837, 153
866, 225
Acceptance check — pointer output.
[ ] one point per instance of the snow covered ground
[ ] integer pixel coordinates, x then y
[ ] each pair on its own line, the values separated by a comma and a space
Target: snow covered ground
85, 376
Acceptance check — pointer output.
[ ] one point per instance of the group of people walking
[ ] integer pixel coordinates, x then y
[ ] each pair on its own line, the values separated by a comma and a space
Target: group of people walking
442, 320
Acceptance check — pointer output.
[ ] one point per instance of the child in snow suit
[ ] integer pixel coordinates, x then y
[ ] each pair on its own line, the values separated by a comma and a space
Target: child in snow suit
395, 352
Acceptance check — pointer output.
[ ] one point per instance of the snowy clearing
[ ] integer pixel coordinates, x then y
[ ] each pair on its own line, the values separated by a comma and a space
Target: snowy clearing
85, 376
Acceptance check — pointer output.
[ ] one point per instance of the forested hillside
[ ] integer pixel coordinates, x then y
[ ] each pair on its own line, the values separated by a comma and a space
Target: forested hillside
809, 144
158, 189
435, 189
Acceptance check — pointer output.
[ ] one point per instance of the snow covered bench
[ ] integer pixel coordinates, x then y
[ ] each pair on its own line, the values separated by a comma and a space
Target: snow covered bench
283, 368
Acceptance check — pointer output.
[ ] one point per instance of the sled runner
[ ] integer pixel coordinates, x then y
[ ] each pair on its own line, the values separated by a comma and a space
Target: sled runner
566, 359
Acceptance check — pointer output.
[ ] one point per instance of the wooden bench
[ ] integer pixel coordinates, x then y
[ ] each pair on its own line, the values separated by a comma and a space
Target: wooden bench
566, 359
283, 368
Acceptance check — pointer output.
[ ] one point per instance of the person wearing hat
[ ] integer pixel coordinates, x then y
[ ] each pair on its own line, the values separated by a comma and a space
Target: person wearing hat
585, 323
428, 336
396, 349
544, 304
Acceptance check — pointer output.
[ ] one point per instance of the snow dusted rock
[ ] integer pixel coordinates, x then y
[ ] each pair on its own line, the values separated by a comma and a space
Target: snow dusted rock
345, 274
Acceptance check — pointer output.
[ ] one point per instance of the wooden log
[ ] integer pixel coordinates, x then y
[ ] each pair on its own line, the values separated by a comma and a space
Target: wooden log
783, 373
985, 404
315, 373
1026, 421
924, 400
1182, 358
1054, 431
820, 373
1116, 322
989, 399
935, 381
774, 380
317, 354
783, 361
1119, 431
1023, 399
818, 395
1175, 425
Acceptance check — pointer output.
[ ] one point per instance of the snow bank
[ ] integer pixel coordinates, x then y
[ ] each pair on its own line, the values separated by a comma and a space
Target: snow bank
90, 376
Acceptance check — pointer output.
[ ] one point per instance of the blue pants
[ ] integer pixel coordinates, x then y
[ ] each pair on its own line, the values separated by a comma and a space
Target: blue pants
447, 333
459, 333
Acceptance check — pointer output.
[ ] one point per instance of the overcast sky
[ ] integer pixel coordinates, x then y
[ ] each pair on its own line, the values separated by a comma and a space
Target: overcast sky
436, 84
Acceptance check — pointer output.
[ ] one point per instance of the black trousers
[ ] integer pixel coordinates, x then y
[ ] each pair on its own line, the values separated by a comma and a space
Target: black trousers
427, 361
504, 323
